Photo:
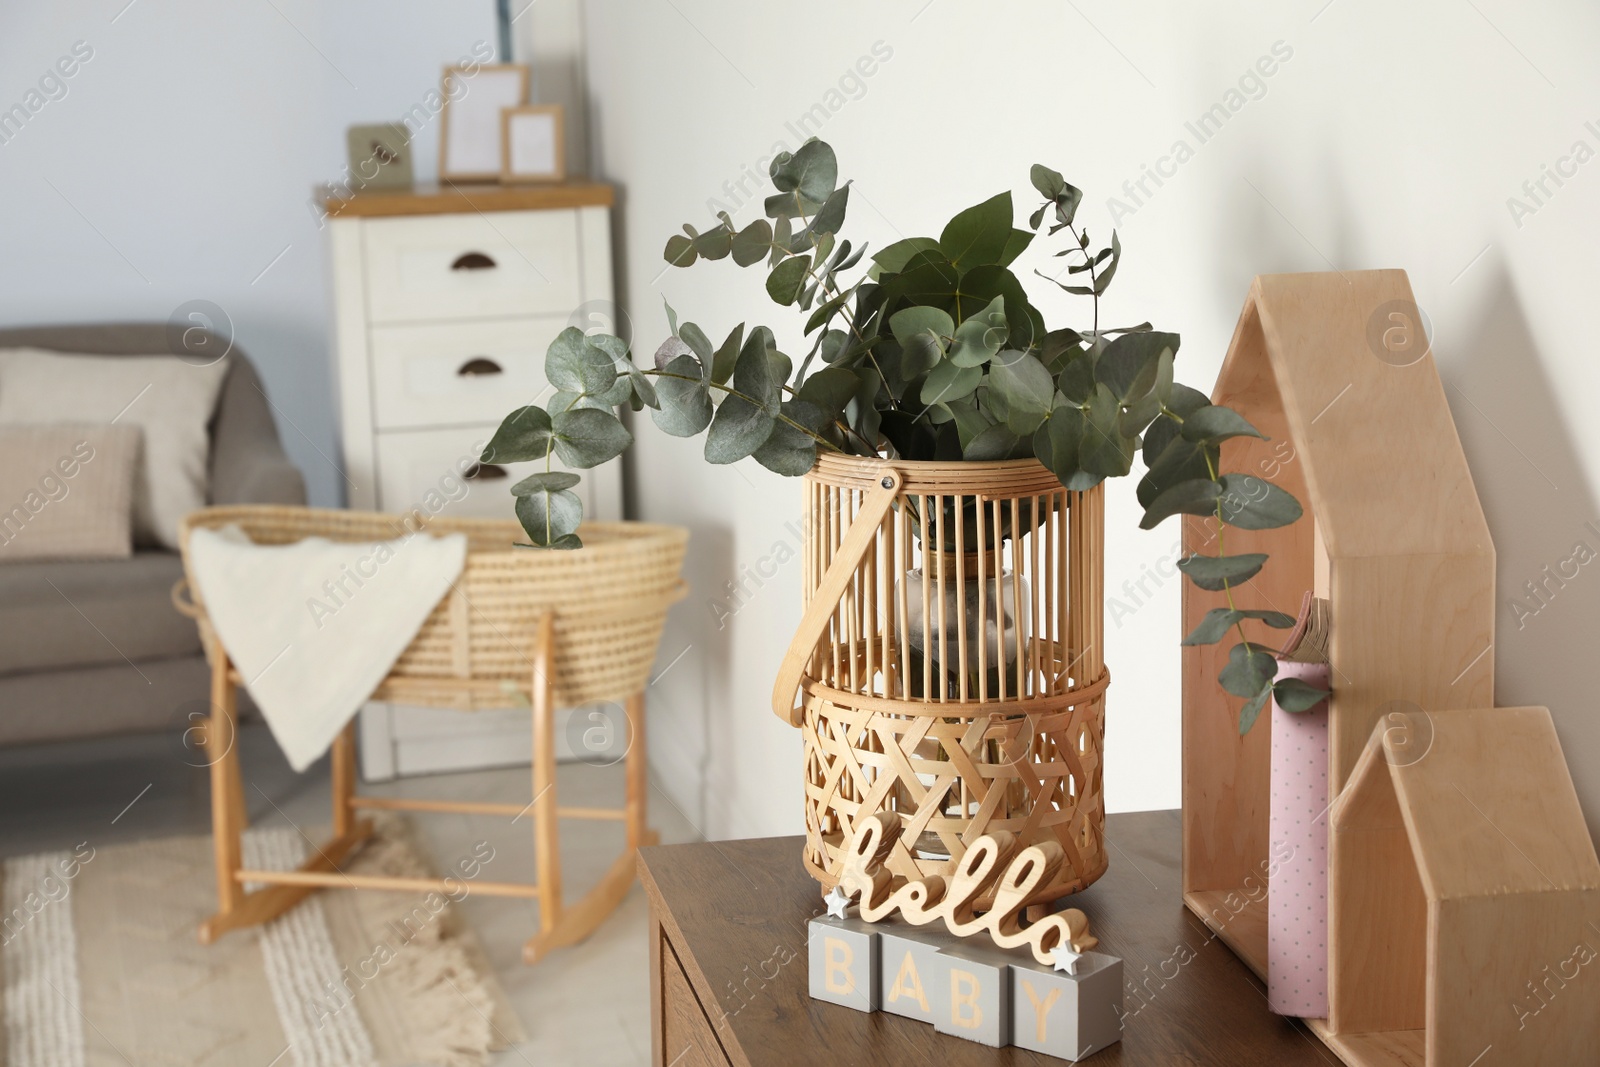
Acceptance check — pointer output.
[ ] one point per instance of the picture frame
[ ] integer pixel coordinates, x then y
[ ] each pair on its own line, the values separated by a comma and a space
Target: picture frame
469, 123
380, 156
533, 144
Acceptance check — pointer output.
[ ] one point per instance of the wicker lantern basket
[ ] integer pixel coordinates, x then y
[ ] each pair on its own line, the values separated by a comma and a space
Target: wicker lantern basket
950, 662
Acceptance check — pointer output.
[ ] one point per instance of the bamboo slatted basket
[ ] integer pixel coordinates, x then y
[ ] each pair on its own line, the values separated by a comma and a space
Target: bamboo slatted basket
950, 663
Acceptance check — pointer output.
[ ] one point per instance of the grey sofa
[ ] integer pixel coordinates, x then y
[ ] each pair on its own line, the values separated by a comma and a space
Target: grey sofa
89, 648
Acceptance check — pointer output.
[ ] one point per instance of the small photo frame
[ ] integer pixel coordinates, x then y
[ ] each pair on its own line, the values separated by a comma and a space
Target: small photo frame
469, 130
533, 144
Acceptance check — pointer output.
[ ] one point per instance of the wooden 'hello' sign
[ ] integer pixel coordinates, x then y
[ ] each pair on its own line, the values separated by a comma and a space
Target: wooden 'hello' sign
994, 862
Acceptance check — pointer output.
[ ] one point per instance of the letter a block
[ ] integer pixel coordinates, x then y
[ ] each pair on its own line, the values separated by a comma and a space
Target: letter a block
844, 956
1067, 1015
914, 974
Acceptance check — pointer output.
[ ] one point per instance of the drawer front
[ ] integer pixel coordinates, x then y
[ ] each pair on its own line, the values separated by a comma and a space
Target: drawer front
687, 1036
469, 266
455, 373
422, 469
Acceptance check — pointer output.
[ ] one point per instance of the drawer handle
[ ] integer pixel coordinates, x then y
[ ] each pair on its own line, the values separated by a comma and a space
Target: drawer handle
478, 366
472, 261
486, 472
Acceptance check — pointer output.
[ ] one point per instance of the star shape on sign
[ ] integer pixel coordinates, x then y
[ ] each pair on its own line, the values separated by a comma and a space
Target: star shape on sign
836, 902
1065, 959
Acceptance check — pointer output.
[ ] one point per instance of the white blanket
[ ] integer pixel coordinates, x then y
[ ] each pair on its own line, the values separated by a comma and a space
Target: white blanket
313, 627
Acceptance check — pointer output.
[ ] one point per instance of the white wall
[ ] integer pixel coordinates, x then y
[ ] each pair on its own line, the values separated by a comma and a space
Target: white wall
180, 164
1391, 136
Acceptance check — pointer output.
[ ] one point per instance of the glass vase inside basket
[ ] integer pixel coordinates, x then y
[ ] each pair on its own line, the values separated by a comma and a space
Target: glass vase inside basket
991, 615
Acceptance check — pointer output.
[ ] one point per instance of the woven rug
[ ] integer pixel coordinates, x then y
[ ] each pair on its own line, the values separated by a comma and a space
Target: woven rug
101, 967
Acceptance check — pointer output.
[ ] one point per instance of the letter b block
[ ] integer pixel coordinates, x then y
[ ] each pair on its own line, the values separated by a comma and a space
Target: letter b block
843, 954
975, 997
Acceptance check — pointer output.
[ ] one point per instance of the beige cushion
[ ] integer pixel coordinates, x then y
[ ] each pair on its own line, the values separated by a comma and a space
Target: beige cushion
66, 491
170, 400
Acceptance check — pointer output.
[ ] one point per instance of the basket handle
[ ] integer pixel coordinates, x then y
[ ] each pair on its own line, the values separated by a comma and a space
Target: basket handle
826, 597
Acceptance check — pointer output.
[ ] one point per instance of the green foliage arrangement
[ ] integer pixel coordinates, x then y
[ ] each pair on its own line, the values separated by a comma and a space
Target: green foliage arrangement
931, 352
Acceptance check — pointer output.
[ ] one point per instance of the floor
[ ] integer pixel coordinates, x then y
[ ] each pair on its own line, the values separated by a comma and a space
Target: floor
583, 1005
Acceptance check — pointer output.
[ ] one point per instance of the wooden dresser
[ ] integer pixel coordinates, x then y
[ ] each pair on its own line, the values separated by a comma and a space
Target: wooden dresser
729, 984
444, 303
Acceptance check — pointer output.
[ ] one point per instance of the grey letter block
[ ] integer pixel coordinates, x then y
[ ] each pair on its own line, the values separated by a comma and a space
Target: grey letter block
1066, 1015
975, 999
915, 975
844, 956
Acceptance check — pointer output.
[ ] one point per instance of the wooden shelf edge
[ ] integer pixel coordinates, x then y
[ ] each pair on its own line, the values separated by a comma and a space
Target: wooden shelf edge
1245, 929
1396, 1048
1245, 932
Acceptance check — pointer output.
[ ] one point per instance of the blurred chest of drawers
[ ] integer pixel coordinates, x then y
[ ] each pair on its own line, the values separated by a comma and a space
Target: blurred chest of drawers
444, 303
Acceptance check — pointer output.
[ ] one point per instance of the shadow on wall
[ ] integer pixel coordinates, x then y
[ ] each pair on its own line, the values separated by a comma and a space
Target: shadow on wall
1545, 524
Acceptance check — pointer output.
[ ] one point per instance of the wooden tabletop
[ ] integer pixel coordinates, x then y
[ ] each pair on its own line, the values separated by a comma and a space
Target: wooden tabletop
458, 198
735, 912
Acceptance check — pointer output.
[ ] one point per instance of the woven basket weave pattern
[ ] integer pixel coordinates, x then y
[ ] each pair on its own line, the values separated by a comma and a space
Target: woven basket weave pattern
610, 600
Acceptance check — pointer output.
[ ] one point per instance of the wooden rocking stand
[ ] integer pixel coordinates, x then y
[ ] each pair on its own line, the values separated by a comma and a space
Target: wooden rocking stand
561, 620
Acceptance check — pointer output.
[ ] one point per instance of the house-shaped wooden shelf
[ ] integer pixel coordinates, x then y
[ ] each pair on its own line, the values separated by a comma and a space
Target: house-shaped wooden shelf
1464, 897
1334, 370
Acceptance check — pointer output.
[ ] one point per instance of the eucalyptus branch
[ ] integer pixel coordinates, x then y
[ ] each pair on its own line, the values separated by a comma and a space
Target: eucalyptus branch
747, 398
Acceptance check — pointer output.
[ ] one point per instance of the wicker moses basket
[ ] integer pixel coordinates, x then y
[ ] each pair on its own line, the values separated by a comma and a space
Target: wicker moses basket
949, 662
551, 629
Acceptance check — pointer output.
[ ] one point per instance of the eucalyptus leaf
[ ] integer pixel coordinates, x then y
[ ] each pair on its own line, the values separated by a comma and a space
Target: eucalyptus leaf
572, 364
1105, 449
1215, 423
727, 353
714, 244
1296, 696
892, 259
787, 279
979, 234
830, 216
813, 170
679, 251
737, 430
1248, 672
1130, 362
829, 389
997, 442
981, 336
1218, 621
1252, 710
1026, 386
697, 341
755, 373
1102, 281
787, 450
922, 333
545, 481
950, 381
1197, 496
1215, 573
1252, 503
587, 438
1049, 182
751, 244
685, 398
550, 517
523, 435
